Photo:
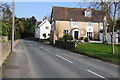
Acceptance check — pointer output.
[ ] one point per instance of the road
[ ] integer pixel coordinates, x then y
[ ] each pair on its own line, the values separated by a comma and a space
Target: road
46, 61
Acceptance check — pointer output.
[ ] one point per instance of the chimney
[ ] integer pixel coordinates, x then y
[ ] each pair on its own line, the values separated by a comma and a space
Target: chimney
45, 18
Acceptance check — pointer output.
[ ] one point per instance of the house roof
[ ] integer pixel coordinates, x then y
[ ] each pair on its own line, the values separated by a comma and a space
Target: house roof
38, 23
76, 14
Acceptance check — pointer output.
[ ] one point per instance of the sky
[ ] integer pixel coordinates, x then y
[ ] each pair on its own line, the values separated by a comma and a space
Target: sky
40, 9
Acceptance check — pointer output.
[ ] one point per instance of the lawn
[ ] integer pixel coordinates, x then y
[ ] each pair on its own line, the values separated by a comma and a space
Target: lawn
101, 51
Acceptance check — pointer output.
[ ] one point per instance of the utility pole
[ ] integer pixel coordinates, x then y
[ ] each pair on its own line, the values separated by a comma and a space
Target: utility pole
13, 25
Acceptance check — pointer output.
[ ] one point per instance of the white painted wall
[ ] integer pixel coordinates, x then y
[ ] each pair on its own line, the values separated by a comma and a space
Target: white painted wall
108, 37
42, 29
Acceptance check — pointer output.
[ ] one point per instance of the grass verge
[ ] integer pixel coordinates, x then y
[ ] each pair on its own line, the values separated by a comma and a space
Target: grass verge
100, 51
4, 63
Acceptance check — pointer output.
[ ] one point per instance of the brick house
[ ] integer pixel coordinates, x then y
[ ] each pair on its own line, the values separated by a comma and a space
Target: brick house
78, 22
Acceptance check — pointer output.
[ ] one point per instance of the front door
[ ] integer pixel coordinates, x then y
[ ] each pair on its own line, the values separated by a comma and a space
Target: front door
76, 34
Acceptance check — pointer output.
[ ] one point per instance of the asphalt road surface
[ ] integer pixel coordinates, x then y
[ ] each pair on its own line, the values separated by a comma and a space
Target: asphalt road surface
37, 60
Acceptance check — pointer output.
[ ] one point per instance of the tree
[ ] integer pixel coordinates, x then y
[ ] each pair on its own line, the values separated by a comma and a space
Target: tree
110, 8
4, 30
6, 17
29, 27
7, 20
113, 11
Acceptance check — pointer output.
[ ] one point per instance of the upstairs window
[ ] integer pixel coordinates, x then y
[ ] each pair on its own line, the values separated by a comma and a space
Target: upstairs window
88, 13
90, 27
65, 32
90, 24
47, 27
74, 23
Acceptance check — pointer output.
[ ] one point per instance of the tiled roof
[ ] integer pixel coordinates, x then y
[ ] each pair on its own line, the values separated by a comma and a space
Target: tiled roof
76, 14
38, 22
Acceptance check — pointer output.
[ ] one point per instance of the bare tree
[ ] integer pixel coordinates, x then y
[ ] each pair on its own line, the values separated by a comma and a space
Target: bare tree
112, 9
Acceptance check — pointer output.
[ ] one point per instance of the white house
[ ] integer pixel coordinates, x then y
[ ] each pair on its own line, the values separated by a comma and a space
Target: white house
42, 29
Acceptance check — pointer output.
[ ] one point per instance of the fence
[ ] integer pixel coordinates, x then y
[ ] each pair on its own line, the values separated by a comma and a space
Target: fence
108, 37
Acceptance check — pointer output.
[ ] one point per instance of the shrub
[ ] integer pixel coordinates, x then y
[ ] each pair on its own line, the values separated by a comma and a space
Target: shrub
86, 39
48, 38
81, 38
67, 37
4, 29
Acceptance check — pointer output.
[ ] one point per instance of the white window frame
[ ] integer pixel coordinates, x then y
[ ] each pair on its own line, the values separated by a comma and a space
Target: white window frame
90, 27
88, 14
90, 34
66, 31
74, 23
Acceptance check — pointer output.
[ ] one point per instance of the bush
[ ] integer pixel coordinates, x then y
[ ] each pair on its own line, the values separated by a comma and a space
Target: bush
86, 39
4, 29
48, 39
67, 37
81, 38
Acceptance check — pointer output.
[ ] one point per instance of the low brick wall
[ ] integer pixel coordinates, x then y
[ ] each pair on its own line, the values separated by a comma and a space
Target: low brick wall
65, 44
5, 50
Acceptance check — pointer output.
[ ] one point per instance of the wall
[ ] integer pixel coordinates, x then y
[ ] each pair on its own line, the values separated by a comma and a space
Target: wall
65, 44
5, 50
44, 30
108, 37
82, 26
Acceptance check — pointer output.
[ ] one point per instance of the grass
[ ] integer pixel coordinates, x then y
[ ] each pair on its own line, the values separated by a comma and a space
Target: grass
5, 62
101, 51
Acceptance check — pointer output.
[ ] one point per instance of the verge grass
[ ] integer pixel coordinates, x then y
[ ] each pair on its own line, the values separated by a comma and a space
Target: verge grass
101, 51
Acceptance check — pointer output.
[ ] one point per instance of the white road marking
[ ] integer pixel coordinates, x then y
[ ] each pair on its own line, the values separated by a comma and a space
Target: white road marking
36, 44
63, 58
96, 74
40, 47
48, 50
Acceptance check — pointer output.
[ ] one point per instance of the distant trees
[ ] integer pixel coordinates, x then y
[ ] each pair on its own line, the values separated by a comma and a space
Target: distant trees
24, 27
29, 27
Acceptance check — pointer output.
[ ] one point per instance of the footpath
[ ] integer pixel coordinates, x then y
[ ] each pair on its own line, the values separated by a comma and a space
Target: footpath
17, 64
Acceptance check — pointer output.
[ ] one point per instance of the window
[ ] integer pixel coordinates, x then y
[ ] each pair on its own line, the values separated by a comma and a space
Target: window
89, 35
48, 34
74, 23
90, 24
88, 13
65, 32
90, 27
47, 27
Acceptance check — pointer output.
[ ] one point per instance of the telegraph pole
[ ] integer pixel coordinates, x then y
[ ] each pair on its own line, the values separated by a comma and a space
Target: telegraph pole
13, 25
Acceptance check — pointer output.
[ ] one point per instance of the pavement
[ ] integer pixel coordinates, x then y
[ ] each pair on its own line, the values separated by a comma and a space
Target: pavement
36, 60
